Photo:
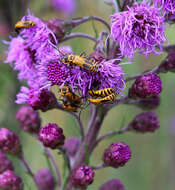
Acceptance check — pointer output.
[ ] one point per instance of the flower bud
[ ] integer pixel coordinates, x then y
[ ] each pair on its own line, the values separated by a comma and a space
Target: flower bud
145, 86
82, 176
5, 163
72, 145
116, 155
145, 122
51, 136
45, 180
9, 181
9, 142
29, 119
41, 101
113, 184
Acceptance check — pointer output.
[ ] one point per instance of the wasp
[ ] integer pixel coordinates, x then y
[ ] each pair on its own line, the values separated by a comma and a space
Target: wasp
81, 61
101, 93
70, 100
23, 24
105, 100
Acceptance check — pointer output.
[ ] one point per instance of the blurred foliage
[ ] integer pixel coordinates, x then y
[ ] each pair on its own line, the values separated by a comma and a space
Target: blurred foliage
152, 164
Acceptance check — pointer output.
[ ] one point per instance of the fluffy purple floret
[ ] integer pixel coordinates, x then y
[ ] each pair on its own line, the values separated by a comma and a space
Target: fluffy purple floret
9, 181
167, 5
140, 28
117, 155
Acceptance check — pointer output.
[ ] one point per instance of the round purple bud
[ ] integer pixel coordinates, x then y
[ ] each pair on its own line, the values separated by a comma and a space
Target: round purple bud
145, 86
9, 142
5, 163
29, 119
72, 145
145, 122
45, 180
9, 181
113, 184
151, 102
82, 176
41, 101
51, 136
116, 155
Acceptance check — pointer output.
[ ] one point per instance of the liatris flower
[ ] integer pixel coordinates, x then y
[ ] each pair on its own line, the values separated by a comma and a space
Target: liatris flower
151, 102
168, 64
82, 177
5, 163
145, 122
45, 180
167, 5
140, 28
67, 6
117, 155
145, 86
113, 184
29, 119
51, 136
72, 145
9, 142
9, 181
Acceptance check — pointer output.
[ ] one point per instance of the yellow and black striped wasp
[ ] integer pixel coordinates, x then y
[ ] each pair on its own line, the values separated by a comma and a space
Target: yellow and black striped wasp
23, 24
101, 93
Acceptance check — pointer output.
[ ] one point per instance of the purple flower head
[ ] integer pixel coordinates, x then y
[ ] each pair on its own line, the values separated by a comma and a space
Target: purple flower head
167, 5
113, 184
9, 181
9, 142
168, 64
66, 6
45, 180
140, 28
5, 163
145, 122
82, 177
117, 155
72, 145
52, 136
151, 102
145, 86
29, 119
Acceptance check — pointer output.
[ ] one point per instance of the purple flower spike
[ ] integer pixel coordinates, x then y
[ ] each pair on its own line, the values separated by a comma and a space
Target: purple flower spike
72, 145
117, 155
140, 28
45, 180
9, 181
5, 163
9, 142
51, 136
145, 122
82, 177
29, 119
113, 184
145, 86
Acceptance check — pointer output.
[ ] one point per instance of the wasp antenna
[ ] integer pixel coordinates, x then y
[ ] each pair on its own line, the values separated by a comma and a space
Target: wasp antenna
54, 46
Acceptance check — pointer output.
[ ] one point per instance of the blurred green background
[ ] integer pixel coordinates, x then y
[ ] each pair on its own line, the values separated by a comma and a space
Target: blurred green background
153, 155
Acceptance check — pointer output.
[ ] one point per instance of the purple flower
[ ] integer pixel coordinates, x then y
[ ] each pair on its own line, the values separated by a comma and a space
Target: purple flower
45, 180
72, 145
145, 86
117, 155
29, 119
82, 177
145, 122
9, 142
9, 181
52, 136
5, 163
167, 5
113, 184
140, 28
67, 6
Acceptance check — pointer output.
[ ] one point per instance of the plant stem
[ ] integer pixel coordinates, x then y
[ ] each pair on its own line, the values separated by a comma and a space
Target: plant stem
100, 166
78, 35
